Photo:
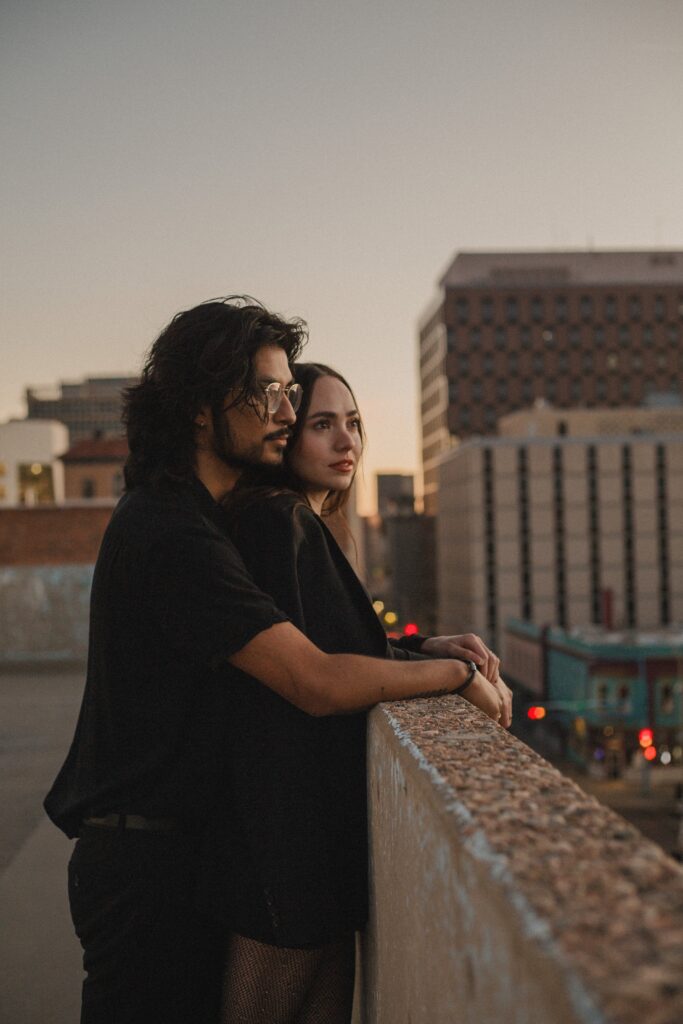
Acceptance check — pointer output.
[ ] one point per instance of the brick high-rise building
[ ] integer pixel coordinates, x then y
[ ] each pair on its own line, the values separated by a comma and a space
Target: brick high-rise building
579, 329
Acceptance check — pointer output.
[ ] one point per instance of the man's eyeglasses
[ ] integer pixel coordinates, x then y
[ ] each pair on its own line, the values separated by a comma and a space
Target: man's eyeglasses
275, 392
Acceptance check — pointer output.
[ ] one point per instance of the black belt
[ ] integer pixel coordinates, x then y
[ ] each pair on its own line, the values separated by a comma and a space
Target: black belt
134, 821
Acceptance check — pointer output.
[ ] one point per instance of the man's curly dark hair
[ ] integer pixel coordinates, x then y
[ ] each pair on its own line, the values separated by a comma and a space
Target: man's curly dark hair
203, 354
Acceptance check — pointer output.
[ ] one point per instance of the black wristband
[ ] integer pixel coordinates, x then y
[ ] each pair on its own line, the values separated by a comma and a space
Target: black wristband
470, 675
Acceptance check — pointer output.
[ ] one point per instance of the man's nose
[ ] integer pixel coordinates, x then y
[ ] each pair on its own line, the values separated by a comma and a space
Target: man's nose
285, 413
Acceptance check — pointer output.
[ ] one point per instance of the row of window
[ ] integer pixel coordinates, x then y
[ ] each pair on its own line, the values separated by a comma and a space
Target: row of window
540, 363
469, 391
625, 335
560, 307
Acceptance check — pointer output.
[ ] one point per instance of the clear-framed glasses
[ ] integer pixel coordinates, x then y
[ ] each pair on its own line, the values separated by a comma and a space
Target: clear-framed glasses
275, 392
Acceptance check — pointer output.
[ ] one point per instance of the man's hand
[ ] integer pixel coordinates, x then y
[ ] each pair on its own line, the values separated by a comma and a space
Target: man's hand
468, 645
494, 699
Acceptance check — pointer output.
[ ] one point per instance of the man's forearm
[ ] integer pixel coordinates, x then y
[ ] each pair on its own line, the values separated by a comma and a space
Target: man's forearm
331, 684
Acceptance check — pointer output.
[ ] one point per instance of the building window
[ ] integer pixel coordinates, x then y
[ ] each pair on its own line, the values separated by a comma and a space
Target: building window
626, 388
463, 364
624, 699
462, 310
527, 390
610, 308
637, 362
628, 537
563, 361
117, 484
594, 534
551, 389
87, 488
451, 339
513, 363
624, 335
490, 418
477, 390
487, 362
464, 417
499, 338
560, 560
660, 308
667, 699
561, 308
575, 336
537, 309
524, 533
525, 337
587, 361
599, 335
586, 307
548, 338
502, 389
475, 337
634, 307
487, 309
601, 694
537, 362
648, 337
575, 389
612, 361
662, 536
674, 334
511, 309
452, 391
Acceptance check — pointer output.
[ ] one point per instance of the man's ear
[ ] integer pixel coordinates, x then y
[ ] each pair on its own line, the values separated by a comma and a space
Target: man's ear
203, 418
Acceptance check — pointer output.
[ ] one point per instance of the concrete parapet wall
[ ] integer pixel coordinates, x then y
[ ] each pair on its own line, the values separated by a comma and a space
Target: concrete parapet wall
502, 894
44, 613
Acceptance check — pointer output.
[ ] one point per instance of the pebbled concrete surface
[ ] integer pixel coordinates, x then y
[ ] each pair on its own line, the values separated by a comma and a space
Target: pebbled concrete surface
604, 903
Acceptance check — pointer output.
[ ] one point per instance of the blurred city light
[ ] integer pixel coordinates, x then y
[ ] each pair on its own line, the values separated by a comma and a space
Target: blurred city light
411, 629
645, 738
378, 606
650, 753
536, 712
391, 618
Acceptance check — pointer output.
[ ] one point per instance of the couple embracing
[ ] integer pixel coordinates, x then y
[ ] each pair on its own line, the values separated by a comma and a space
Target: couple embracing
216, 780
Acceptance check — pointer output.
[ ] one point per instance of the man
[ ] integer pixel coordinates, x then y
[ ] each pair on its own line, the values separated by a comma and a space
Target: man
173, 616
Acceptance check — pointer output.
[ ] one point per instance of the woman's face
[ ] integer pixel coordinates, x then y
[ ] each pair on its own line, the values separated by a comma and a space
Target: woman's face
326, 454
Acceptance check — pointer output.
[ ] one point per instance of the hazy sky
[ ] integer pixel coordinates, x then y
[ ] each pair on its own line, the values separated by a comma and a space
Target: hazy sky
327, 157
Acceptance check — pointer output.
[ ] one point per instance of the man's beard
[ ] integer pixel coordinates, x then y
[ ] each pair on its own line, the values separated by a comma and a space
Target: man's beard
251, 457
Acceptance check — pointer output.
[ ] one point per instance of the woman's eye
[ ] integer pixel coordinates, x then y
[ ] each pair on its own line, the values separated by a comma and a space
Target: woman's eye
321, 424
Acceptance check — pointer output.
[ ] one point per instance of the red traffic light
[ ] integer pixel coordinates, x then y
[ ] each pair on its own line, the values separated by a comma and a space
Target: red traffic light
650, 753
645, 738
536, 712
411, 629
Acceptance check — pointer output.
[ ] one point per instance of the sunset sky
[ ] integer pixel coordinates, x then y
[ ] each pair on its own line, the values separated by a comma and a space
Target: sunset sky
328, 158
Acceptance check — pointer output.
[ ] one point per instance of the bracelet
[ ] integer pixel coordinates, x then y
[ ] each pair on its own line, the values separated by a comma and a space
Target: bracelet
470, 675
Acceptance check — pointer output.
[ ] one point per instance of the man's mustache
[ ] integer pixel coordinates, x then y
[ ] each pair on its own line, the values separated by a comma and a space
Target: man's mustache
286, 434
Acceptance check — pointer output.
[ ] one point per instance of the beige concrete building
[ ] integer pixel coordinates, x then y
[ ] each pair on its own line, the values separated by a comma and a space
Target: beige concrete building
566, 527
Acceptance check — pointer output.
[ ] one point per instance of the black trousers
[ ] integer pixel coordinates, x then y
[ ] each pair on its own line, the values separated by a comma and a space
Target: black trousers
148, 955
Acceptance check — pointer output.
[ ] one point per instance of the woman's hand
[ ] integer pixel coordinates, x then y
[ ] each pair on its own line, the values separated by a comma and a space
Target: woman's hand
494, 699
468, 645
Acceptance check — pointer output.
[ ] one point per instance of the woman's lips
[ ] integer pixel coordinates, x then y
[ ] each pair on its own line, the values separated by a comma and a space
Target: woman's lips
345, 466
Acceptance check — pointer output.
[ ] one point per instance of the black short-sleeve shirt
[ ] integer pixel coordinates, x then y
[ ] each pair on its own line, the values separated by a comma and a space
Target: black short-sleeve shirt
171, 601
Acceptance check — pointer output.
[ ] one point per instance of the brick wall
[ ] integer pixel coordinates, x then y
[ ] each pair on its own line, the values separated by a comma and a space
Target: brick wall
54, 535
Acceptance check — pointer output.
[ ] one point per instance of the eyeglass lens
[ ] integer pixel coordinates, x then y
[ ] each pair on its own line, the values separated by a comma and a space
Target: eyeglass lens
275, 393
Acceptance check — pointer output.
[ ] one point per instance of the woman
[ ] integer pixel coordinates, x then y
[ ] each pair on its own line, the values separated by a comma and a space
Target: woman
288, 871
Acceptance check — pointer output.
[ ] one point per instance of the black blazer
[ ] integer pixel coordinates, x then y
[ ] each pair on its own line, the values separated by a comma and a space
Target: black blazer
286, 858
